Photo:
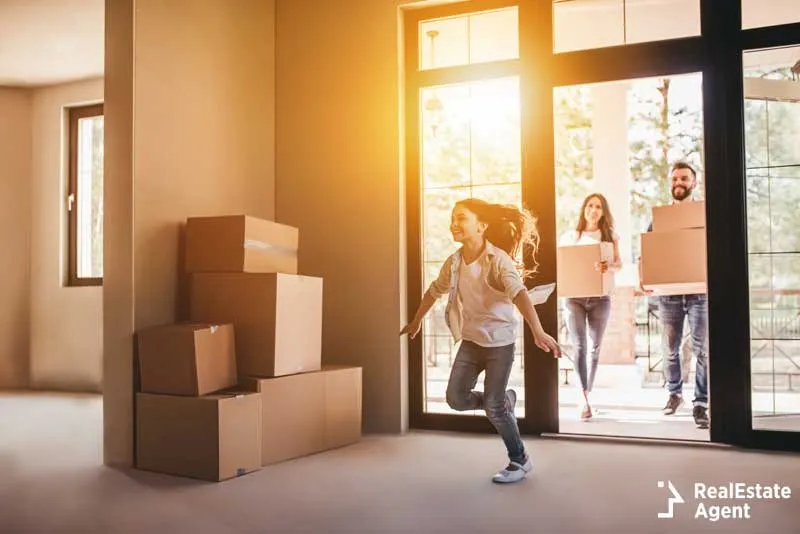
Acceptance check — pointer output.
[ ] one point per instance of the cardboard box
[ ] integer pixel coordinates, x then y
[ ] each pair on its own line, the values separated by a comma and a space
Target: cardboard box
679, 216
214, 437
187, 359
674, 262
576, 272
277, 319
241, 244
308, 413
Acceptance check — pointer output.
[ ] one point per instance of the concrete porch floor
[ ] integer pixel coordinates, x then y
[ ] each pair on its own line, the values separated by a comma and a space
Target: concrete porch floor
627, 407
421, 482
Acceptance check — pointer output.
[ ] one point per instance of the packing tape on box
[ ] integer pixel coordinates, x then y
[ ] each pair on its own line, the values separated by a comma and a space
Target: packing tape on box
214, 328
260, 245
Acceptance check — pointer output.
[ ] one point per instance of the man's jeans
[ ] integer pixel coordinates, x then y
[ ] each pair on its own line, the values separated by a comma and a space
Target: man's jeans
496, 361
673, 310
587, 314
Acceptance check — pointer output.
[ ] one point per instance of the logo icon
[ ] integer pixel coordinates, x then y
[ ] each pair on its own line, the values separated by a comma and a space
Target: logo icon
671, 501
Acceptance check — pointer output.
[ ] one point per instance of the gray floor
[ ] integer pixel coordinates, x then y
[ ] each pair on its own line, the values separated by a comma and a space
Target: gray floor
420, 482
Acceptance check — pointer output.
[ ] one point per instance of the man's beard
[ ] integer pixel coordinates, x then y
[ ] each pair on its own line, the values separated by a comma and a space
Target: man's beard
686, 192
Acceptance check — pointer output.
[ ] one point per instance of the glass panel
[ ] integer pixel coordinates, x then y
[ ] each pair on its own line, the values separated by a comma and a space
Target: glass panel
470, 148
444, 43
494, 35
784, 118
469, 39
90, 197
647, 21
761, 297
761, 13
784, 200
496, 132
758, 221
772, 115
756, 142
586, 24
445, 135
499, 194
436, 209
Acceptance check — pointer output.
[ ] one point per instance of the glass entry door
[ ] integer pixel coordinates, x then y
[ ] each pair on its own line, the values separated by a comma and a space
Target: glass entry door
772, 161
464, 139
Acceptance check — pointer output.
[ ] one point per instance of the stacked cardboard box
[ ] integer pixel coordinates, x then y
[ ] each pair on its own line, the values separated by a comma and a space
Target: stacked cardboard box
674, 253
191, 419
244, 274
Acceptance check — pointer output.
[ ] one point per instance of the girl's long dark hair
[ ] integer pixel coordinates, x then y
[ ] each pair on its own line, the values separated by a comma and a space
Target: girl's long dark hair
509, 229
606, 222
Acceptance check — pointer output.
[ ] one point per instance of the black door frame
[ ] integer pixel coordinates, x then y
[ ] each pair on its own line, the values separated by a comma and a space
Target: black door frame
414, 80
717, 54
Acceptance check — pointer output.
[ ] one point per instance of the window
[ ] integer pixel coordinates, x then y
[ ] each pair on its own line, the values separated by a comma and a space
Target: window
85, 195
469, 39
762, 13
586, 24
470, 147
772, 159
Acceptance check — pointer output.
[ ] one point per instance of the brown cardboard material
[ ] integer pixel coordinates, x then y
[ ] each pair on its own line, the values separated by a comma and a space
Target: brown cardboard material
308, 413
674, 262
187, 359
214, 437
679, 216
239, 243
343, 401
576, 272
277, 319
292, 415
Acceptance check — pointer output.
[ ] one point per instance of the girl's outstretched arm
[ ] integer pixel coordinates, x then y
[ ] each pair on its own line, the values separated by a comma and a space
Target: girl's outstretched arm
439, 287
412, 328
543, 340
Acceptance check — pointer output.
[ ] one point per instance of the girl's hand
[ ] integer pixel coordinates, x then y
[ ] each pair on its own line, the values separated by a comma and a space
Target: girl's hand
547, 343
412, 329
601, 266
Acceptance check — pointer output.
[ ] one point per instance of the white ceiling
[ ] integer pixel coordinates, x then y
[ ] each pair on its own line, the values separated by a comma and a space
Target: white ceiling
44, 42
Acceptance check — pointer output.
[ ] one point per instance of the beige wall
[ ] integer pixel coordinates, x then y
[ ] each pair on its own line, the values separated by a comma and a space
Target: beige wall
66, 344
189, 131
339, 180
15, 210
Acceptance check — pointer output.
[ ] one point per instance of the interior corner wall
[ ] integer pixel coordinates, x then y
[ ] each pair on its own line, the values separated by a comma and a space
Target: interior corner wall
118, 326
338, 179
190, 105
15, 224
66, 344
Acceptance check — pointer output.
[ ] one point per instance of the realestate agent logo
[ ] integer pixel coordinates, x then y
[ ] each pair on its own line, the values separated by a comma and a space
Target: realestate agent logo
673, 499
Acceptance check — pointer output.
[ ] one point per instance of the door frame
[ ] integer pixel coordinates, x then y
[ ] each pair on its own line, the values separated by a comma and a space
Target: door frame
414, 81
749, 40
717, 54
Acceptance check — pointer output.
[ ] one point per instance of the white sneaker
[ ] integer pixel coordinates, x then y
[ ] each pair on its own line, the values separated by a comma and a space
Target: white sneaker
513, 472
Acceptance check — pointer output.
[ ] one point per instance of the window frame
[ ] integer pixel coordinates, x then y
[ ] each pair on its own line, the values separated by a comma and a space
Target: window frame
717, 54
74, 115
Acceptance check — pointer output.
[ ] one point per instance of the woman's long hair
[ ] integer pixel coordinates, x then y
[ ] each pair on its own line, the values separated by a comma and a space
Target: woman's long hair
509, 228
606, 222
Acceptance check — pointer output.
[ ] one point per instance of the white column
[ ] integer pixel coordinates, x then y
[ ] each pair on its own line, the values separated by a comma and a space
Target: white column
611, 164
612, 178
